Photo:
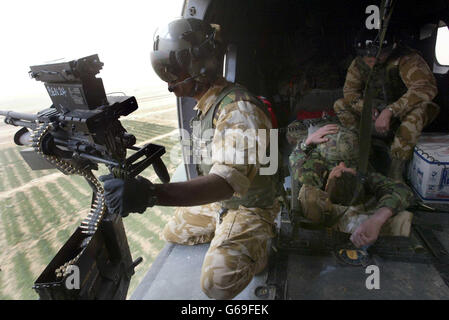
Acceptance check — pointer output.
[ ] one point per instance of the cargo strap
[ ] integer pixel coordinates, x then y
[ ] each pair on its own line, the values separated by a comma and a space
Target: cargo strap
365, 128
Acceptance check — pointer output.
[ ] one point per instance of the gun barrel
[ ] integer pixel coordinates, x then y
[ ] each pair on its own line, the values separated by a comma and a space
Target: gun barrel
19, 115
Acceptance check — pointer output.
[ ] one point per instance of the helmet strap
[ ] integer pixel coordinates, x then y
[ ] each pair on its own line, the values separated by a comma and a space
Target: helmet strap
198, 87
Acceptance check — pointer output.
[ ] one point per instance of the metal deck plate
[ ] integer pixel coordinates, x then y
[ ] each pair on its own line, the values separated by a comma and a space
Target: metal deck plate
175, 275
310, 277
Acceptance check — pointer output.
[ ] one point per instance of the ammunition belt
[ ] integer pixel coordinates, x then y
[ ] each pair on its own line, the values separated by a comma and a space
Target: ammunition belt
90, 224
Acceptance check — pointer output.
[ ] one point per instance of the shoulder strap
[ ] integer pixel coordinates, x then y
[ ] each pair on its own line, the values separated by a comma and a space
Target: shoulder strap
233, 88
225, 92
210, 115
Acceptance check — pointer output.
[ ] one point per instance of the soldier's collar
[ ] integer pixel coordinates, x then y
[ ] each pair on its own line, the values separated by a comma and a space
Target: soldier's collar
208, 99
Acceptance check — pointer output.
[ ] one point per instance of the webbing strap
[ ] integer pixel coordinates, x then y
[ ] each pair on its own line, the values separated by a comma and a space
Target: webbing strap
366, 123
226, 91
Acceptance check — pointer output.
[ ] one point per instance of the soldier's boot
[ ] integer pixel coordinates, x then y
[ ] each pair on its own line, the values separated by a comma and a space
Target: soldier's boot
396, 171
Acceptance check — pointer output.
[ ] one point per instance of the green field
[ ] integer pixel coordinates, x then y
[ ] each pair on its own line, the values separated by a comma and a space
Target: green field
39, 210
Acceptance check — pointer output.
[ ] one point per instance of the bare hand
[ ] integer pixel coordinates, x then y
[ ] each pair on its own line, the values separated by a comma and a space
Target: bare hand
368, 232
383, 121
319, 136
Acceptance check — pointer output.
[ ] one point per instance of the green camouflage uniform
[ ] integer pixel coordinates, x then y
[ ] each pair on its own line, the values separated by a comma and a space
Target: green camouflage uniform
406, 84
239, 238
311, 169
296, 132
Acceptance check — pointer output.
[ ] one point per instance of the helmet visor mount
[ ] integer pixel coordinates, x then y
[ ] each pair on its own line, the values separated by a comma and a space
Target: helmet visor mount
372, 49
368, 43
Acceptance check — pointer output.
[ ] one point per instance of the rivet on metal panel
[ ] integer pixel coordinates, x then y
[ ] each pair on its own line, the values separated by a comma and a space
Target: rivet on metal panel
261, 292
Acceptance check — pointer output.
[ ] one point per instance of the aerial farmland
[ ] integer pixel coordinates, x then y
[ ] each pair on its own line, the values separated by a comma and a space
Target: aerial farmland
39, 210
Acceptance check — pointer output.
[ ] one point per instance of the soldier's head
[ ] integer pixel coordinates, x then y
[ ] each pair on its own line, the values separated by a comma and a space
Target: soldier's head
187, 54
367, 45
342, 146
341, 185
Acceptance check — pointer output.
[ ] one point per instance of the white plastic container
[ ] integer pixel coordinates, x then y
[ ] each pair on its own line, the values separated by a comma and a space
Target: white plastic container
429, 169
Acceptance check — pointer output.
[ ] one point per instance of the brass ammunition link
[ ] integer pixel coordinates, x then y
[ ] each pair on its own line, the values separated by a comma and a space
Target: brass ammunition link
90, 224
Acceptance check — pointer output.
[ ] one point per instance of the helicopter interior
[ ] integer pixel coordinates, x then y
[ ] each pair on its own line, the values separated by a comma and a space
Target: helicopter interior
272, 47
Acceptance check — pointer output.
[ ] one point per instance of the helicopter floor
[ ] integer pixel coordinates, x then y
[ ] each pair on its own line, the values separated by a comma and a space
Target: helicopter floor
302, 271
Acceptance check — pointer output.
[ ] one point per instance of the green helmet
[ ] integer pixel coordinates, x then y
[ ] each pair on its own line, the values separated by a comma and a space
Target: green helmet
342, 146
186, 45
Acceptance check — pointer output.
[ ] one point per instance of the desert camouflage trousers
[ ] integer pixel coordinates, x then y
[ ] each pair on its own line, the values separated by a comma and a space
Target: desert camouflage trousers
315, 202
238, 243
408, 132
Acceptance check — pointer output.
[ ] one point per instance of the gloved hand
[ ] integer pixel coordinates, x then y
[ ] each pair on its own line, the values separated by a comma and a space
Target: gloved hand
129, 195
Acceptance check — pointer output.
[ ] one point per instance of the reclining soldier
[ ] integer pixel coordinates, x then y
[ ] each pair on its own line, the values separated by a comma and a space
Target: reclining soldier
230, 205
324, 164
403, 87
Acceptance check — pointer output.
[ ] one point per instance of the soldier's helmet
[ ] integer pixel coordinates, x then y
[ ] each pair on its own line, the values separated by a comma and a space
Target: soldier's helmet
367, 42
186, 45
342, 146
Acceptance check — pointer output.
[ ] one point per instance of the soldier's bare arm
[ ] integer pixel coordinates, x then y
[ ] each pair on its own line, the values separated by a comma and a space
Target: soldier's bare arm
368, 232
392, 197
198, 191
226, 178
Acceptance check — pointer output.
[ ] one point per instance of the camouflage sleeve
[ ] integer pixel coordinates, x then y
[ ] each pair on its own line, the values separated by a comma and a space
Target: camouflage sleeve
308, 168
391, 194
420, 82
241, 129
353, 87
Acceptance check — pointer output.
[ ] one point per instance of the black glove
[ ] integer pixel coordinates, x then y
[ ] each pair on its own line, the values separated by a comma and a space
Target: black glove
129, 195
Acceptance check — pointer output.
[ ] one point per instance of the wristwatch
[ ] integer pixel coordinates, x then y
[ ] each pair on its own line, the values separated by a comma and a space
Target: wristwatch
304, 147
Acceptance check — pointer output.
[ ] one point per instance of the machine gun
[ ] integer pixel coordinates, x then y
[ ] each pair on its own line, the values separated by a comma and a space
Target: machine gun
77, 133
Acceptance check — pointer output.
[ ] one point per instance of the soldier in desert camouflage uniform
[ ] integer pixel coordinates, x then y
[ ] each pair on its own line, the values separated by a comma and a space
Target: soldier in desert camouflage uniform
326, 155
403, 87
238, 228
231, 205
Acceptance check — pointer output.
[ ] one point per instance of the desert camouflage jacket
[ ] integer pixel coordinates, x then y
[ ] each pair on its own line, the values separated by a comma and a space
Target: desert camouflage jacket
403, 82
235, 114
